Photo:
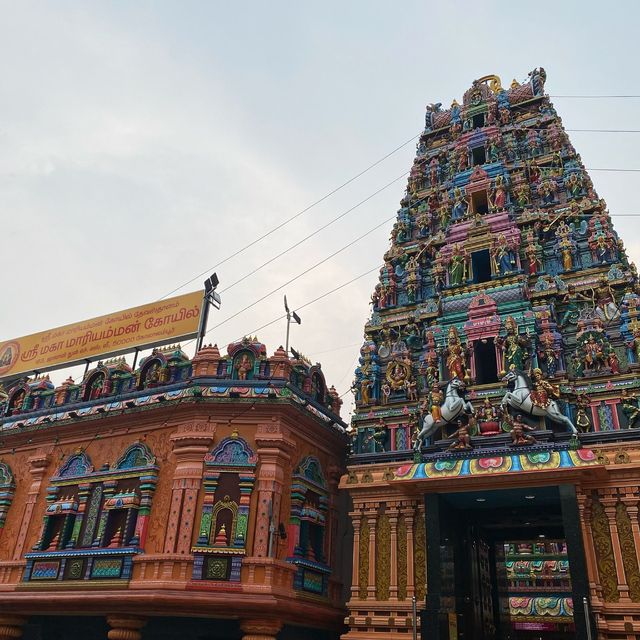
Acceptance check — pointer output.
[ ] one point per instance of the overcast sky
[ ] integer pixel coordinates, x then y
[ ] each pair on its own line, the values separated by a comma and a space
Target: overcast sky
143, 142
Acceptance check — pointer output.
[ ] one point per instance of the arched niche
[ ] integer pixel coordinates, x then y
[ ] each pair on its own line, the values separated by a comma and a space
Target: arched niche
224, 520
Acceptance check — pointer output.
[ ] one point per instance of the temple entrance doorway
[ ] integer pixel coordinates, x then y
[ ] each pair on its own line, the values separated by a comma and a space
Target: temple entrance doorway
486, 366
505, 565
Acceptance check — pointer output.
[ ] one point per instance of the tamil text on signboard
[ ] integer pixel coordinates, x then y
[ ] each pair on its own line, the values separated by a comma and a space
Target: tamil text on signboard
145, 326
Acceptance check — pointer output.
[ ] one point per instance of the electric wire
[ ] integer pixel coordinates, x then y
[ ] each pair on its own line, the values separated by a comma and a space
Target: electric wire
322, 228
297, 215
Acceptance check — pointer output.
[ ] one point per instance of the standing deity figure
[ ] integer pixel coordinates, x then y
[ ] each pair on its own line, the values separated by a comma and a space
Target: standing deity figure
634, 343
431, 371
493, 149
514, 347
538, 77
532, 253
504, 258
549, 354
605, 302
498, 194
630, 408
566, 246
583, 403
413, 279
542, 391
434, 171
456, 356
457, 266
460, 205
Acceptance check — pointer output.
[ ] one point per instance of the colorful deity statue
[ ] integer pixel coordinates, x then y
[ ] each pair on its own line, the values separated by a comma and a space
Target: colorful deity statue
456, 356
461, 437
542, 390
519, 435
515, 348
533, 255
548, 354
547, 190
566, 246
583, 403
493, 149
498, 199
523, 195
460, 206
574, 185
594, 352
605, 302
413, 279
457, 266
398, 373
630, 408
504, 257
424, 222
434, 171
634, 343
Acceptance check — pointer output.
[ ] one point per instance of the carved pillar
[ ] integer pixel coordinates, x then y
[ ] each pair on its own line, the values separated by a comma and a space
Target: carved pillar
38, 464
191, 442
11, 626
631, 499
609, 503
584, 505
409, 517
260, 629
355, 569
275, 448
393, 522
370, 514
125, 627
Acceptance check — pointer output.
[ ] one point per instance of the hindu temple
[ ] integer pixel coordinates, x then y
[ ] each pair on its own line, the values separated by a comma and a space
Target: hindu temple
495, 452
185, 498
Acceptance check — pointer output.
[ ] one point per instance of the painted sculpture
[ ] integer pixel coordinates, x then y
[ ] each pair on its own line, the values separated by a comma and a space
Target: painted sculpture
504, 278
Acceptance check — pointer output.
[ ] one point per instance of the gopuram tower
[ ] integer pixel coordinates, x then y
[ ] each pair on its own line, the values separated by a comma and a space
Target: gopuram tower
495, 446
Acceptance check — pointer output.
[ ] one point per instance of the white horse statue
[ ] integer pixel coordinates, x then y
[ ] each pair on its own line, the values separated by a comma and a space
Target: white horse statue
520, 399
454, 404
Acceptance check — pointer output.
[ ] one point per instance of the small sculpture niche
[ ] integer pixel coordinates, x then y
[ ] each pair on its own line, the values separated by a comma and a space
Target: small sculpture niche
16, 402
95, 386
243, 365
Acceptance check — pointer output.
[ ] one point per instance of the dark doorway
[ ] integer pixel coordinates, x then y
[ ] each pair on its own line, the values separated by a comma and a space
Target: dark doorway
481, 266
485, 361
478, 156
495, 559
478, 121
480, 202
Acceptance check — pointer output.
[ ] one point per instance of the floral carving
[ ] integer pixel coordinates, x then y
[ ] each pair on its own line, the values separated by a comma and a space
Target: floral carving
627, 546
604, 553
383, 561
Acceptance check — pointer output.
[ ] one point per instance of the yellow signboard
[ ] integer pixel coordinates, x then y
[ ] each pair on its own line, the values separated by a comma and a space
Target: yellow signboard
146, 326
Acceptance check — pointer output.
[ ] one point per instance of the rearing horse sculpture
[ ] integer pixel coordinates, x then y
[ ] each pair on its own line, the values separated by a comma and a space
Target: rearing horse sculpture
454, 405
520, 399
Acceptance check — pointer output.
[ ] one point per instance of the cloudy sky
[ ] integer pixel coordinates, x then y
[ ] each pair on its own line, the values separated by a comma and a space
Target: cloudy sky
141, 143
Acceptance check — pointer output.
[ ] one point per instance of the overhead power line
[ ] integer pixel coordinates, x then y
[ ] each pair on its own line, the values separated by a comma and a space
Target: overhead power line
310, 302
322, 228
292, 218
302, 273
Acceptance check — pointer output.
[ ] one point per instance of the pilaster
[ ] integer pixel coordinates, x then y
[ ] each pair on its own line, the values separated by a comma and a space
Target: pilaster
191, 442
